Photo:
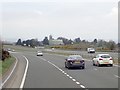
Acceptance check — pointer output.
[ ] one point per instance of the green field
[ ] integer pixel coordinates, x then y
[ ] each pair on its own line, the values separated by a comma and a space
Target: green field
0, 67
4, 66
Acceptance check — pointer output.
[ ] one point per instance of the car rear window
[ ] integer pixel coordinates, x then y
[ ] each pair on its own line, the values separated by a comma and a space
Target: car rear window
75, 57
105, 56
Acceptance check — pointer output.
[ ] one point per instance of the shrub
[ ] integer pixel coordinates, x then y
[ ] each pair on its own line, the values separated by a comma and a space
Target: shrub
5, 54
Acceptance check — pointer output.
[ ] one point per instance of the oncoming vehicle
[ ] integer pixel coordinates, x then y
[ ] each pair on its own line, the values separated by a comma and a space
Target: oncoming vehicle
90, 50
102, 59
39, 53
74, 61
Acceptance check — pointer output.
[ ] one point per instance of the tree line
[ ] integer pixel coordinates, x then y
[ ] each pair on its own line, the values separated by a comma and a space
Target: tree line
102, 44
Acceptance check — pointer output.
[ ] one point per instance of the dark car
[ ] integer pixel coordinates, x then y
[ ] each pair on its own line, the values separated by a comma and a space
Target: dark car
74, 61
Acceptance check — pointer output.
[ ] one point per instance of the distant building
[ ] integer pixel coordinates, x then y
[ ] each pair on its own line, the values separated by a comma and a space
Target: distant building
50, 37
55, 42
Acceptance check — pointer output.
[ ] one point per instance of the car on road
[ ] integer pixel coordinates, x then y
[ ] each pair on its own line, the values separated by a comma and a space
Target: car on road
39, 53
74, 61
90, 50
102, 59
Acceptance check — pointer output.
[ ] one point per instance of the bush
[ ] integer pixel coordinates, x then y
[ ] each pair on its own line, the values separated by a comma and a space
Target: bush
5, 54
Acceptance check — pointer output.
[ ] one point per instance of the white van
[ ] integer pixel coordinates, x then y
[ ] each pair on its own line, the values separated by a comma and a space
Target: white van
90, 50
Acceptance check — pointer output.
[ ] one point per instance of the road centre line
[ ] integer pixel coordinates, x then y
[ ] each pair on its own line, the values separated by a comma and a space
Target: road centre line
77, 83
25, 73
74, 80
9, 74
82, 86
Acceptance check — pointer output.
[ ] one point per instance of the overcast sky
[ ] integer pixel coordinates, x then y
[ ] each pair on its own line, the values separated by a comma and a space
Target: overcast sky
67, 18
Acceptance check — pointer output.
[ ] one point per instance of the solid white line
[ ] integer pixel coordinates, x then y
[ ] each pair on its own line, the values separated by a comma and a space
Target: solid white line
25, 73
10, 73
82, 86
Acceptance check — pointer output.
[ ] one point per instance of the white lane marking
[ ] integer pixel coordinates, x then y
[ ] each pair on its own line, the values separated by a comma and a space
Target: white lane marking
70, 77
65, 73
10, 73
73, 79
77, 83
44, 59
117, 76
60, 69
82, 86
95, 68
25, 73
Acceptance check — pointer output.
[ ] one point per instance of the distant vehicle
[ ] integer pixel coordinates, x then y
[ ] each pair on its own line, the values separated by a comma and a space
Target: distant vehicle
90, 50
39, 53
74, 61
53, 48
8, 49
102, 59
13, 50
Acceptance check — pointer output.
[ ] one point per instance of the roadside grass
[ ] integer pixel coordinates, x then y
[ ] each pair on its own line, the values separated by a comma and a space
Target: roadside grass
4, 66
116, 61
0, 68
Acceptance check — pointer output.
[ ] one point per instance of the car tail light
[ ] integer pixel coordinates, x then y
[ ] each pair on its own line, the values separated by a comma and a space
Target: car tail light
82, 61
111, 59
100, 59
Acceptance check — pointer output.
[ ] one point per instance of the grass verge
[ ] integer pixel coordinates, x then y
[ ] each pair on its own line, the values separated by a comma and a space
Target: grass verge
4, 66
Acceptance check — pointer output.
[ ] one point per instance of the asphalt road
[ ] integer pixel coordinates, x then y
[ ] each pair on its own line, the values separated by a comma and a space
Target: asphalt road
48, 71
84, 53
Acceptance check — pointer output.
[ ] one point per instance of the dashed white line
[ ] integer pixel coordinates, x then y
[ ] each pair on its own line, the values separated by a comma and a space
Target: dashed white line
77, 83
60, 69
74, 80
67, 75
82, 86
70, 77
